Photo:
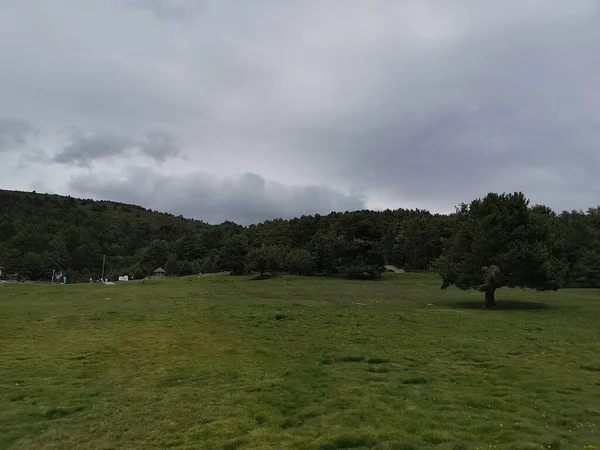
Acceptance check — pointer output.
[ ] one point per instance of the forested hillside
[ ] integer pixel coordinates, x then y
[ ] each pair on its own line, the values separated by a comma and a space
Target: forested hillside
40, 233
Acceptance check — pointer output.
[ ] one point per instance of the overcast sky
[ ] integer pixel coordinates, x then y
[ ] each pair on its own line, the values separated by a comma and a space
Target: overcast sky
247, 110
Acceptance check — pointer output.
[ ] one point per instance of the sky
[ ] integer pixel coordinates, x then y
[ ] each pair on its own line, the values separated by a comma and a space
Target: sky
255, 109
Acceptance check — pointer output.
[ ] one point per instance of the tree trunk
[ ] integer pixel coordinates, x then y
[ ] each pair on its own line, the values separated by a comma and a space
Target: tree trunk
490, 301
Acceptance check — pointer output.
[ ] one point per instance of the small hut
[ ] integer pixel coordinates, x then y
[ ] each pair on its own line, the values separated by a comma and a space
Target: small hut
159, 273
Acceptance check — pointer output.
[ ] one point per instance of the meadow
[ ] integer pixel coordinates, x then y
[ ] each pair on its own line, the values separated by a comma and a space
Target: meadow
228, 362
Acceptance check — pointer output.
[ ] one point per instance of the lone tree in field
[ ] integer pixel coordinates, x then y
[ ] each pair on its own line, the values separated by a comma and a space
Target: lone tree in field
500, 241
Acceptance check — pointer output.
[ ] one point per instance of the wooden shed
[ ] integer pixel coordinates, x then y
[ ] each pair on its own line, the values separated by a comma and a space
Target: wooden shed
159, 273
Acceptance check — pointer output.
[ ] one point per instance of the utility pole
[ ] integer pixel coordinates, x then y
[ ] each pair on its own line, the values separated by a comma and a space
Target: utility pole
103, 261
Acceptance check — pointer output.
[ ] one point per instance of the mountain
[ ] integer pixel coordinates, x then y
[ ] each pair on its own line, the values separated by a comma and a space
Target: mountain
42, 232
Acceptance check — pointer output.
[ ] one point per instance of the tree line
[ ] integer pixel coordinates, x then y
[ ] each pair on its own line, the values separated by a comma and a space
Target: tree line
41, 232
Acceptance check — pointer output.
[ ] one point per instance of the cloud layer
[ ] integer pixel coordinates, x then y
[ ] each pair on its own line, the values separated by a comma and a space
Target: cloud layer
14, 133
86, 147
337, 104
245, 199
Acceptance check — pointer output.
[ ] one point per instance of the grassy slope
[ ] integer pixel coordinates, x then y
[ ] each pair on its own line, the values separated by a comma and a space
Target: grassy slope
224, 362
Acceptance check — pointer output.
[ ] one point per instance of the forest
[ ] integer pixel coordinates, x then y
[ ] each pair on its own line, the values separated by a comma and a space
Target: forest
42, 233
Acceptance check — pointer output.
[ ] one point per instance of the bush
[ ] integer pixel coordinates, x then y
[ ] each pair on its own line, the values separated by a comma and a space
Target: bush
266, 259
300, 262
206, 265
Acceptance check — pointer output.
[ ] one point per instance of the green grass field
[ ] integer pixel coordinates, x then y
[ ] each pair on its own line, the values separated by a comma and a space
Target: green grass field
300, 363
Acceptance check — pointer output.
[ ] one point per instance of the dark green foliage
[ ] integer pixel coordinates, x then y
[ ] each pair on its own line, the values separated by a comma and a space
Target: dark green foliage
580, 233
186, 268
210, 264
156, 254
266, 259
500, 241
233, 254
33, 265
323, 246
585, 271
138, 274
300, 262
418, 240
172, 266
358, 246
73, 235
40, 233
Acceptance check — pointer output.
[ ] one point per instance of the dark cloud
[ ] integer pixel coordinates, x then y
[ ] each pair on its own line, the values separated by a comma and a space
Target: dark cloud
514, 109
88, 146
14, 133
158, 145
245, 199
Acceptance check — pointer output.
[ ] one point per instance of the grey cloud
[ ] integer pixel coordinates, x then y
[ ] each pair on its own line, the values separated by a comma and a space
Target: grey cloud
423, 102
245, 199
158, 145
515, 109
88, 146
14, 133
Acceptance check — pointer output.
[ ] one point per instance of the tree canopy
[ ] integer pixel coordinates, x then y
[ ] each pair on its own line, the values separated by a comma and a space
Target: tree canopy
500, 241
40, 233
